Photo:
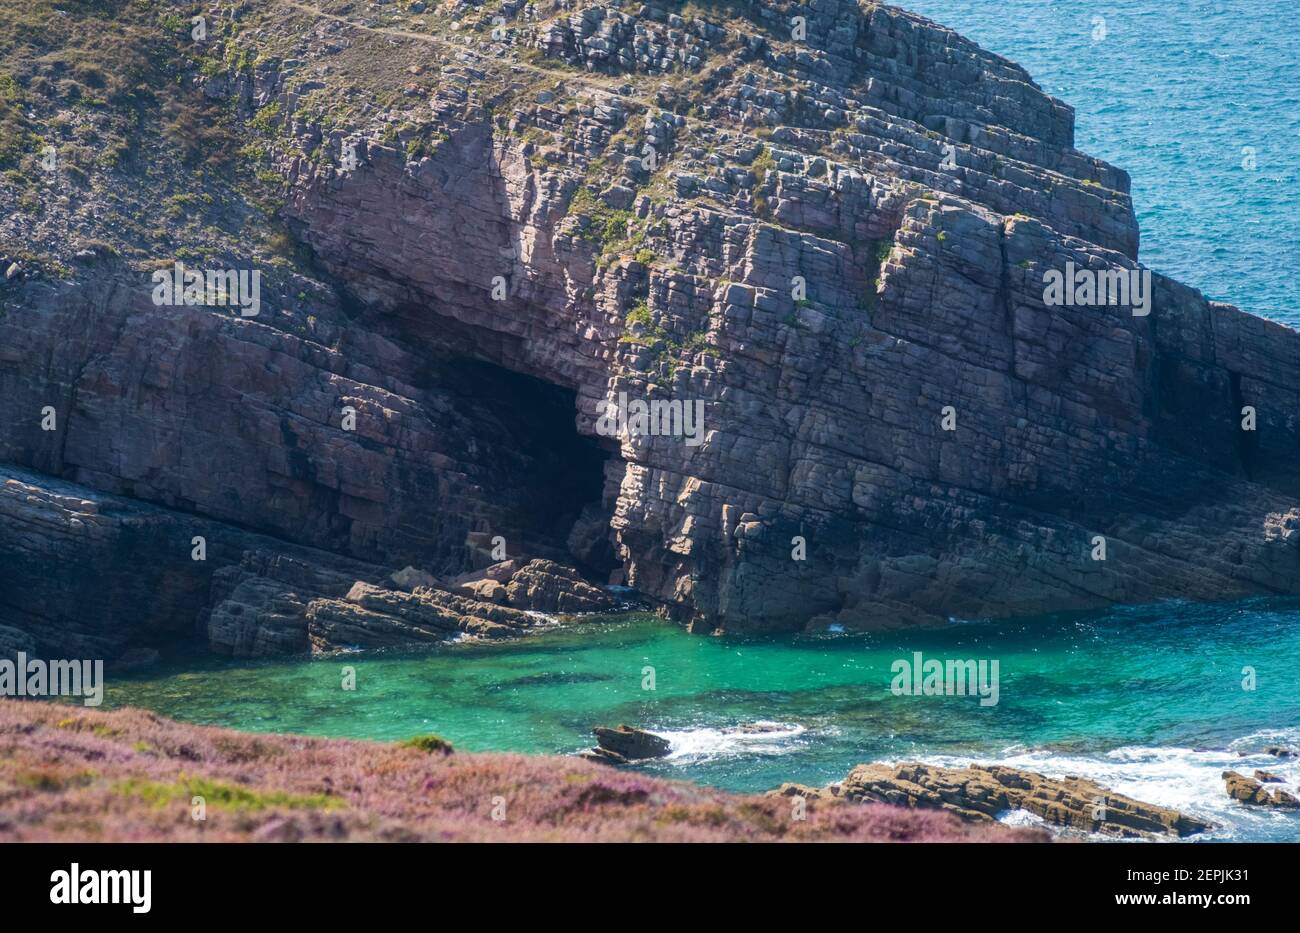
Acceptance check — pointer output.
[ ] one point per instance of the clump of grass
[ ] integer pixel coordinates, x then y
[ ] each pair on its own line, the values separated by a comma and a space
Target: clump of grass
643, 331
100, 729
763, 165
880, 251
609, 229
266, 118
52, 779
642, 328
428, 743
221, 796
15, 135
424, 146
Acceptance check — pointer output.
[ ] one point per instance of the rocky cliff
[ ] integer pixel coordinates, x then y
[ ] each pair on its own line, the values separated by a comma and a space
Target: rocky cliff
479, 226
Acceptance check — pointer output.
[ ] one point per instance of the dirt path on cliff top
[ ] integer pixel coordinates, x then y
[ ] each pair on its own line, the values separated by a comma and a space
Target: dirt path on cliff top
600, 84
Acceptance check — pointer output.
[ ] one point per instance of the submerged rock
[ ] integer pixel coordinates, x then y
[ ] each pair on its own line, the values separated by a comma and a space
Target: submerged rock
981, 792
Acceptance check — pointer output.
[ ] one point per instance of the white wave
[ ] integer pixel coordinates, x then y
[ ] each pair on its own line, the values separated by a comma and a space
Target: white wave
757, 738
1263, 737
1022, 818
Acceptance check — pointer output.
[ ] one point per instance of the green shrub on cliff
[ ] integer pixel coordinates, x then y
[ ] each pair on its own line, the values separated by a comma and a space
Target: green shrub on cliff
428, 743
608, 228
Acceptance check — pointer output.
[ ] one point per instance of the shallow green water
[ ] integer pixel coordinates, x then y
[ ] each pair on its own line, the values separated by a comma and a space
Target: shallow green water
1148, 701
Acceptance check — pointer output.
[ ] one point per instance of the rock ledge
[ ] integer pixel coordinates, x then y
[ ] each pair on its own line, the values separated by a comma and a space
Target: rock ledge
981, 792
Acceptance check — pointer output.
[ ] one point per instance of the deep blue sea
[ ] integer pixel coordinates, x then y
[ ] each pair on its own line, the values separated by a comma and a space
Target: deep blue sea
1173, 91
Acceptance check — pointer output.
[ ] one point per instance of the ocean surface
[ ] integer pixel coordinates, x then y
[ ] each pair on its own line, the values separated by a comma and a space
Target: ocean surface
1173, 92
1148, 701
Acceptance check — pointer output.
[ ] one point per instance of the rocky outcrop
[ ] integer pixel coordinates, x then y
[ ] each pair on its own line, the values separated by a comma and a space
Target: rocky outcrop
625, 744
244, 593
1252, 791
372, 617
538, 585
835, 246
980, 793
86, 575
546, 586
260, 606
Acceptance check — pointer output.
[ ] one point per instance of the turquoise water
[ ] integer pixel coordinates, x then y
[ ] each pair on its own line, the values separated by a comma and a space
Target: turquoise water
1172, 94
1148, 701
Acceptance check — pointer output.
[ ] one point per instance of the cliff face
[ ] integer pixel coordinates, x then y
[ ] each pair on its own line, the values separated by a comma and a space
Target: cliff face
830, 224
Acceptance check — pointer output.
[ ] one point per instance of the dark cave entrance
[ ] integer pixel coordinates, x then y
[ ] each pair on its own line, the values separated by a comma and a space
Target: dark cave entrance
555, 480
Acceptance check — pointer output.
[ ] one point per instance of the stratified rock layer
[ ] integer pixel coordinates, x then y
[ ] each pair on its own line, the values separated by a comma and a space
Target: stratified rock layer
1252, 791
981, 793
71, 553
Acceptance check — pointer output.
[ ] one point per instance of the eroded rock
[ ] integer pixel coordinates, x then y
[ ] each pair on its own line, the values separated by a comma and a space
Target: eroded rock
625, 744
546, 586
1252, 791
980, 793
373, 617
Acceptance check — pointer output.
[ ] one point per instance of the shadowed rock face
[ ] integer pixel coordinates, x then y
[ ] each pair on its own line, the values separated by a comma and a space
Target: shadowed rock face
839, 248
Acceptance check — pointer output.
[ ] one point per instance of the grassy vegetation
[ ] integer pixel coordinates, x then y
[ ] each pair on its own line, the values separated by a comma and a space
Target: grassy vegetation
642, 330
424, 144
762, 166
109, 85
428, 743
130, 775
611, 231
107, 62
220, 796
16, 136
880, 251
